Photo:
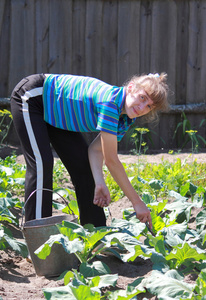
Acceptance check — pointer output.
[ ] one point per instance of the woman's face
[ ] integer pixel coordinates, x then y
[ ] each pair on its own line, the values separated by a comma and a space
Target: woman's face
137, 104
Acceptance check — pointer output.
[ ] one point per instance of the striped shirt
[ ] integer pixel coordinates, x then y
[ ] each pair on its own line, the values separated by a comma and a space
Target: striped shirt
84, 104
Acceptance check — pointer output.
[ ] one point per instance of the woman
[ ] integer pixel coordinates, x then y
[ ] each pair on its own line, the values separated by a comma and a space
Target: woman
56, 109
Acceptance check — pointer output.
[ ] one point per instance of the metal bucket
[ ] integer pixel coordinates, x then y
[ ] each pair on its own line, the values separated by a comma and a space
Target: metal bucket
37, 232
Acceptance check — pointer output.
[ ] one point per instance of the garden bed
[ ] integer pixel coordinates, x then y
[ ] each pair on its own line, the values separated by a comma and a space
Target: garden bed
17, 276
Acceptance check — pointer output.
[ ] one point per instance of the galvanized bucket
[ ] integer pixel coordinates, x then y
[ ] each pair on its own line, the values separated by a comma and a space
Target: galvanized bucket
37, 232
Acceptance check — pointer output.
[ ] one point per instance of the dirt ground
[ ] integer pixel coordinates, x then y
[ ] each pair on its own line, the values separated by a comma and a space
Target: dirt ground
18, 279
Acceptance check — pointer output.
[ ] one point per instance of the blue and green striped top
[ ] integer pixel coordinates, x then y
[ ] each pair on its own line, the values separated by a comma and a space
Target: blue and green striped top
84, 104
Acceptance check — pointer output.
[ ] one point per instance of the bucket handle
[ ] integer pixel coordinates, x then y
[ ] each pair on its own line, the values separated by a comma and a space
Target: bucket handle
43, 189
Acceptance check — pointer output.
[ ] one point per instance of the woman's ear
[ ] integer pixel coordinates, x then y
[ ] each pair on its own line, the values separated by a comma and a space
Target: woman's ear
130, 87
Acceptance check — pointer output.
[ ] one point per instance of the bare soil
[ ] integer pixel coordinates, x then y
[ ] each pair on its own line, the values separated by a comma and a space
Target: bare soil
18, 279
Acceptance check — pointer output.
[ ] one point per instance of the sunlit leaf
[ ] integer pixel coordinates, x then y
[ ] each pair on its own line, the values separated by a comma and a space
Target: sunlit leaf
170, 284
185, 253
69, 246
156, 184
201, 220
94, 269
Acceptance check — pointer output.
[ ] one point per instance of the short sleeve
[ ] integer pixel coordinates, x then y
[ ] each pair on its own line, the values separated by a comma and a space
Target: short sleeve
108, 117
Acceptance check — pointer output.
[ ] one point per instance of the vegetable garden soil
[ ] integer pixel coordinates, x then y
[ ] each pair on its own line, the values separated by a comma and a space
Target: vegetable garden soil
17, 276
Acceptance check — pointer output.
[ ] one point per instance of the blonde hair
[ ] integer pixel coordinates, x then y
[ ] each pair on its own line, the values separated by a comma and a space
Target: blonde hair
157, 89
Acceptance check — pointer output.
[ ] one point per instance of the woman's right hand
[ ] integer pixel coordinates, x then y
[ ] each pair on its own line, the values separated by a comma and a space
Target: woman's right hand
101, 195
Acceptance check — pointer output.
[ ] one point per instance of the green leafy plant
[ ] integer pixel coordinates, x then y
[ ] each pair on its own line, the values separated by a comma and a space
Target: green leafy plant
77, 286
199, 292
189, 134
5, 124
59, 175
175, 250
76, 239
7, 241
137, 138
169, 285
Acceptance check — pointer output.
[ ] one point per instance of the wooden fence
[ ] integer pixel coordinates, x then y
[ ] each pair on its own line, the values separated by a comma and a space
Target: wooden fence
111, 40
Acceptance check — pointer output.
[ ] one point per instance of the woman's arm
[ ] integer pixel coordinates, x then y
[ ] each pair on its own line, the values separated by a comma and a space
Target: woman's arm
104, 147
109, 151
101, 195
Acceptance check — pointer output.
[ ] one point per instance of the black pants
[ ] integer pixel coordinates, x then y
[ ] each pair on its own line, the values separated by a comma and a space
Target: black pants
36, 136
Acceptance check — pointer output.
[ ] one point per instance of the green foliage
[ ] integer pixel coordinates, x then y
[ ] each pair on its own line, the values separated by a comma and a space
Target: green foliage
169, 285
12, 175
189, 134
59, 178
170, 190
174, 251
137, 138
173, 176
76, 239
200, 288
185, 255
7, 241
5, 124
80, 287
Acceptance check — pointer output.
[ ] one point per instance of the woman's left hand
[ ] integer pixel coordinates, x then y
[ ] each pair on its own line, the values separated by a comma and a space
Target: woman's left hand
143, 213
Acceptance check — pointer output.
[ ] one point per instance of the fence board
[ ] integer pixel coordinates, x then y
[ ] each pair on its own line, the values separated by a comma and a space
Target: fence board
201, 86
16, 65
192, 61
93, 37
42, 35
109, 42
2, 6
128, 40
60, 38
78, 38
182, 51
163, 48
172, 48
145, 39
158, 61
28, 41
4, 46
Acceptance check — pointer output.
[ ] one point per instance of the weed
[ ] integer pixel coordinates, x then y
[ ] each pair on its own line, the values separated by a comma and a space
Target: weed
5, 124
189, 134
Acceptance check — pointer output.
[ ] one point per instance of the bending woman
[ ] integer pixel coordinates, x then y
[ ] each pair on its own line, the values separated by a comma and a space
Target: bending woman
51, 109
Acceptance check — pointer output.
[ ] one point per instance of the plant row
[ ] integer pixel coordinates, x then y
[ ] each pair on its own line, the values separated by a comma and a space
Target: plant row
175, 250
